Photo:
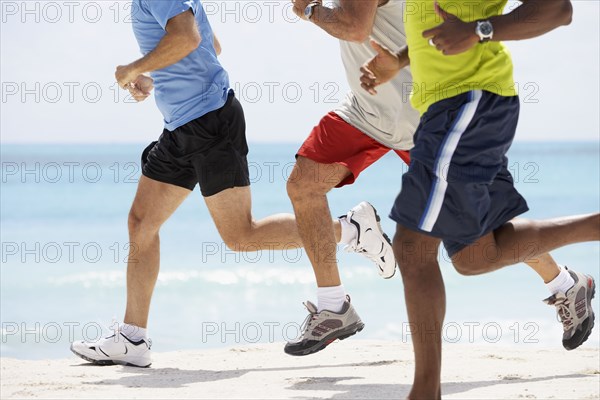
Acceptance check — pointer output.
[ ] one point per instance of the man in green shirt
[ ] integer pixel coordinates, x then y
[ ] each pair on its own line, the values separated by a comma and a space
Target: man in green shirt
458, 189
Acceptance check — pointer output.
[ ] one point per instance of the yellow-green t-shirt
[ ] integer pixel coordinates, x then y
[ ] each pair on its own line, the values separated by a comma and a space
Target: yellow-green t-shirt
486, 66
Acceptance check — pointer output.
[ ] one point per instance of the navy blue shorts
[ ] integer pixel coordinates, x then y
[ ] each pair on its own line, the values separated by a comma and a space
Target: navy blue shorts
458, 187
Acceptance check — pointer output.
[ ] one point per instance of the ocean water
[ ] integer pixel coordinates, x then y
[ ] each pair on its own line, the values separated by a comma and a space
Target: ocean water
64, 244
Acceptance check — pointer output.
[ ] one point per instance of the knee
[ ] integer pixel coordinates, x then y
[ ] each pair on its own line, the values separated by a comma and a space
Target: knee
465, 269
295, 189
300, 188
416, 254
134, 221
304, 182
468, 267
410, 265
138, 224
240, 240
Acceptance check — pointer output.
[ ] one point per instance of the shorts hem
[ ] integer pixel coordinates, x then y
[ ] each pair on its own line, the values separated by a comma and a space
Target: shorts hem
412, 227
168, 181
453, 249
215, 191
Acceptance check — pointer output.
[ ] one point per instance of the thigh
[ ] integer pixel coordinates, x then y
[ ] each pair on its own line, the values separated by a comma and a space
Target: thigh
502, 204
231, 211
414, 248
320, 178
334, 141
156, 201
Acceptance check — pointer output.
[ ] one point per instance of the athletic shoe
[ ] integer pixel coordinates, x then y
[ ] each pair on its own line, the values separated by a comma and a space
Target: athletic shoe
115, 349
370, 240
321, 329
574, 309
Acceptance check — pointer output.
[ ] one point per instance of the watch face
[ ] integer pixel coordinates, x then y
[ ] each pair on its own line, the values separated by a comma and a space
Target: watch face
486, 28
308, 11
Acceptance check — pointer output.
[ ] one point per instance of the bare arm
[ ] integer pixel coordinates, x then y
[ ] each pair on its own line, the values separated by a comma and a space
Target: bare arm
531, 19
352, 20
181, 39
383, 67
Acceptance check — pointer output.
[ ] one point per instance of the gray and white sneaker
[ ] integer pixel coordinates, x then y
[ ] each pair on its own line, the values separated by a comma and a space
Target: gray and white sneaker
115, 349
321, 329
370, 240
574, 309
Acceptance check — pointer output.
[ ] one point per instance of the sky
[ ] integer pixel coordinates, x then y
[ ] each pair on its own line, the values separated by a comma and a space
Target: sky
58, 60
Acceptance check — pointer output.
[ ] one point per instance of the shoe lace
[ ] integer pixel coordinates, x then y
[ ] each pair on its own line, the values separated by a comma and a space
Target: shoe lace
306, 325
564, 313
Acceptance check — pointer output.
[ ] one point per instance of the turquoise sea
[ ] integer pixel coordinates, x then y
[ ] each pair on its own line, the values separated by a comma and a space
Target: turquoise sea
64, 243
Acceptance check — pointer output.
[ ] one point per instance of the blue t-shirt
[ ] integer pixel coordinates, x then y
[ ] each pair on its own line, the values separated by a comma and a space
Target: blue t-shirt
192, 87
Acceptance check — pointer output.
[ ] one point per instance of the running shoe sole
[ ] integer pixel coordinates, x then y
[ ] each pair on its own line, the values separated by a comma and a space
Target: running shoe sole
320, 345
105, 363
587, 325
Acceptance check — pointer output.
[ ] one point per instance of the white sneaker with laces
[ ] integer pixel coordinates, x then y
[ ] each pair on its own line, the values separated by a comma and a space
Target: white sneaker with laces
370, 240
115, 349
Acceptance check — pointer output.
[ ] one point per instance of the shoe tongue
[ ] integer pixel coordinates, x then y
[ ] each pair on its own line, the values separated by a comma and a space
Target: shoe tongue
311, 307
555, 298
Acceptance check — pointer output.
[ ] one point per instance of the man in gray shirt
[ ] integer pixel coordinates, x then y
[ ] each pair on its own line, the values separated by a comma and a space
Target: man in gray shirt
361, 130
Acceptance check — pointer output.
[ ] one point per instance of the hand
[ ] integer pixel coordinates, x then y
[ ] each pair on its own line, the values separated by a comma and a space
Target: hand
380, 69
453, 36
126, 74
141, 87
300, 6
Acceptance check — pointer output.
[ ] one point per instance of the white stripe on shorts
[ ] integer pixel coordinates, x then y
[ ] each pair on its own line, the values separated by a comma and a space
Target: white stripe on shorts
438, 192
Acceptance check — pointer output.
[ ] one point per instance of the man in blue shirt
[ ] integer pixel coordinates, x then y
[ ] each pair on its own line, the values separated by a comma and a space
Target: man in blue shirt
204, 142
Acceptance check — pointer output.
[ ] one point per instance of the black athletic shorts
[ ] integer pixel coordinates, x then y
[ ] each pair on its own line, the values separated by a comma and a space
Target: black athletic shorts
210, 151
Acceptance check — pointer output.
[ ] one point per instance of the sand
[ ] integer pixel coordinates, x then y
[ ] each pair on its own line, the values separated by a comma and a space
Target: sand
351, 369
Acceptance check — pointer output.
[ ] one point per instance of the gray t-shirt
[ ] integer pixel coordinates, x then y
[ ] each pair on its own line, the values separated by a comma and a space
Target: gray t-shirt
388, 116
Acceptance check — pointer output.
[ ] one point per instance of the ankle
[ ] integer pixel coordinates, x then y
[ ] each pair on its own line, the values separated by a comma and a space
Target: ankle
133, 332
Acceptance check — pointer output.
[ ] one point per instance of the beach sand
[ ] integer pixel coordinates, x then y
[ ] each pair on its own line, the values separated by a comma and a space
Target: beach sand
352, 369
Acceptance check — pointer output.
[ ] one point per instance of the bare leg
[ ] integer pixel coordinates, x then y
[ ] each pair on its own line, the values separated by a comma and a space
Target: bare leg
154, 203
545, 266
231, 211
308, 187
425, 298
521, 240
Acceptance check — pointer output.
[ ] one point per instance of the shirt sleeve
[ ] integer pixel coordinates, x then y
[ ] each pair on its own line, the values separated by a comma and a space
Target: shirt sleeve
164, 10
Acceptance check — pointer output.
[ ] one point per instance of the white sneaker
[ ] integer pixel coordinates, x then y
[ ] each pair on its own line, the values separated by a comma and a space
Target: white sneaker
115, 349
370, 240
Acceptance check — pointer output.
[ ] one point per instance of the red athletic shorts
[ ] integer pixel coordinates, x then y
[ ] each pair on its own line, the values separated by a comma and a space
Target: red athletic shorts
334, 141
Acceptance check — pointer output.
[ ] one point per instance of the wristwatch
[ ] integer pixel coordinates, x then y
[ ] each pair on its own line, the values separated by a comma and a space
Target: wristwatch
310, 9
484, 30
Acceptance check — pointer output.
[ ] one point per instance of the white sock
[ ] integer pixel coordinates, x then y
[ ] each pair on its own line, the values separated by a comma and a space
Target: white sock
331, 298
349, 231
133, 333
563, 282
